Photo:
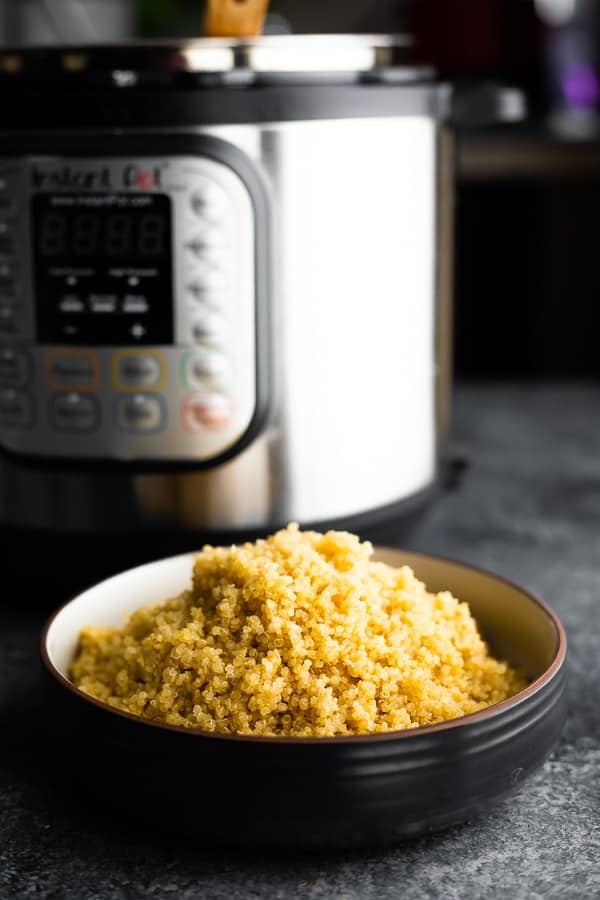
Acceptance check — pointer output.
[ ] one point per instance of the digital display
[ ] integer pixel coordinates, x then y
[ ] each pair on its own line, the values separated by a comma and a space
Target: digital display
87, 234
103, 268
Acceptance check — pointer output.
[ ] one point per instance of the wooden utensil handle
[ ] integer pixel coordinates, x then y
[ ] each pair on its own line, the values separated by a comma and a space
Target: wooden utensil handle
234, 18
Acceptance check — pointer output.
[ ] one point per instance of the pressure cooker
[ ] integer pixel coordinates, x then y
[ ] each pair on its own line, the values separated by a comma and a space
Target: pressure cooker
225, 275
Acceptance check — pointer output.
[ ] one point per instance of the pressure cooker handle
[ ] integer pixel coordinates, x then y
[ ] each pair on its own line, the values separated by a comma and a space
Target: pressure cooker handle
486, 104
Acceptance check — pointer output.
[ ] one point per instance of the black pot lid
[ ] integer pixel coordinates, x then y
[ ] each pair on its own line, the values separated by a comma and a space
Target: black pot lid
271, 58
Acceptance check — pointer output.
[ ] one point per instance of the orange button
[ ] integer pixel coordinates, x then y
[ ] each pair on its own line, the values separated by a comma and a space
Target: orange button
207, 410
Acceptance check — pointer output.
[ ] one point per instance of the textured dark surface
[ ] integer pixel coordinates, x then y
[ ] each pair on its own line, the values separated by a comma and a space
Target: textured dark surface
528, 507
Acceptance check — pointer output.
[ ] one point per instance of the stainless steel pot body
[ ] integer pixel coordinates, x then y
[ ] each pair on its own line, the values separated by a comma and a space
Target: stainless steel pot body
352, 345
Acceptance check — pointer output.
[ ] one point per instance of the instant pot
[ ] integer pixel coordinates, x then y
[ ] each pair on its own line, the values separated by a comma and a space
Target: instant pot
224, 283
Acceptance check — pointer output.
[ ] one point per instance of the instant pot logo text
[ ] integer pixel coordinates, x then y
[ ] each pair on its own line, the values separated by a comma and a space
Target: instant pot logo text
68, 178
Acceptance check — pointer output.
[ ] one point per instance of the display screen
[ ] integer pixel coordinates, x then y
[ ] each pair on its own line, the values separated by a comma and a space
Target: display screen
103, 268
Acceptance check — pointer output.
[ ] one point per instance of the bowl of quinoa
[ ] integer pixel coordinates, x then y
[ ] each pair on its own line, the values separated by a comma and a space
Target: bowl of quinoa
299, 635
338, 695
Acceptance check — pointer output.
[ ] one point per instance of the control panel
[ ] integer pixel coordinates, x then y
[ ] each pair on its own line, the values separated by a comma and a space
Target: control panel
128, 308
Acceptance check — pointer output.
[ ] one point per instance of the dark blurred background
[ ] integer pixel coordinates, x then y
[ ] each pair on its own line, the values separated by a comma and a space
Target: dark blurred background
527, 273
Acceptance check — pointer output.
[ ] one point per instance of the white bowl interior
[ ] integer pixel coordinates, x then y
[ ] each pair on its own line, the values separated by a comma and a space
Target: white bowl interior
517, 627
108, 602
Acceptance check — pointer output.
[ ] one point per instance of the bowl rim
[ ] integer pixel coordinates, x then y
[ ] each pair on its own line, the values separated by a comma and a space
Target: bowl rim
490, 712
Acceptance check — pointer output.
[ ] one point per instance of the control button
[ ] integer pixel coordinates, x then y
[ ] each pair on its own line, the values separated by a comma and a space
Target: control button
135, 303
206, 410
205, 368
209, 290
7, 238
134, 369
7, 271
141, 413
211, 327
71, 303
74, 412
205, 244
213, 281
72, 369
16, 408
103, 303
8, 322
14, 367
138, 371
209, 201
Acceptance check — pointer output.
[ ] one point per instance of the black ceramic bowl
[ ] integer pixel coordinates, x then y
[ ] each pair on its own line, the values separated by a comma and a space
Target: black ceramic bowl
315, 792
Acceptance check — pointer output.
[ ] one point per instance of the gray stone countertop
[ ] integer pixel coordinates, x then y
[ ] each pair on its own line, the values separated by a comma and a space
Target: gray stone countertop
527, 506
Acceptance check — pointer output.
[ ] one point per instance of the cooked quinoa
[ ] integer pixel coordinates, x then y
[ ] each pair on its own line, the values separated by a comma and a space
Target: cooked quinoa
299, 634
